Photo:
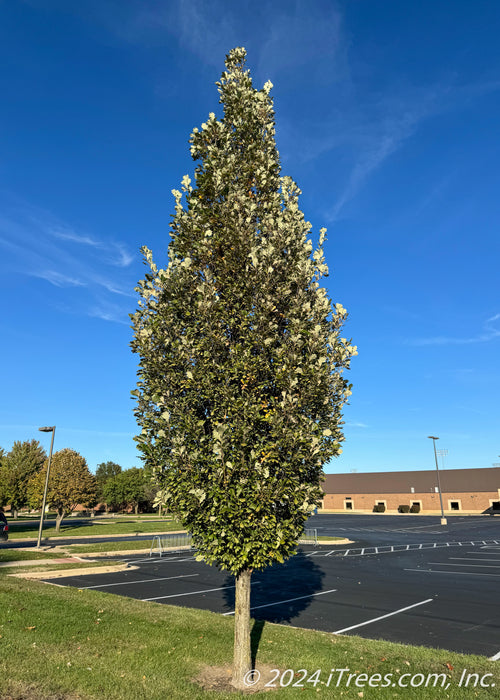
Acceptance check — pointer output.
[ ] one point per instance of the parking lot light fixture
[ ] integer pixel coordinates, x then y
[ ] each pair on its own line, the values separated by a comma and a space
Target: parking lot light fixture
46, 429
434, 438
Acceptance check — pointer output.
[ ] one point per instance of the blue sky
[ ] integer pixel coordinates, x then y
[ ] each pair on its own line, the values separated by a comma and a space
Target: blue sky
387, 116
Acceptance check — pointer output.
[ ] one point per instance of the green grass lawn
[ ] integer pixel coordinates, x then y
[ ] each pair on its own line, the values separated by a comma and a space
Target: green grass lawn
109, 546
28, 529
22, 554
87, 645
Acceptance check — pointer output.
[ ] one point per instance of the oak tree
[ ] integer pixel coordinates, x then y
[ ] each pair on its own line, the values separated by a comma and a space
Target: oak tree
240, 351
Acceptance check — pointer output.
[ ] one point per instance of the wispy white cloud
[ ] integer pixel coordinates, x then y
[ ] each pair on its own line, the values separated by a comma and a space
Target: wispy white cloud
114, 289
367, 162
104, 433
490, 331
121, 256
375, 135
378, 127
435, 193
68, 431
39, 245
289, 34
355, 424
206, 29
58, 279
305, 34
110, 313
117, 253
69, 235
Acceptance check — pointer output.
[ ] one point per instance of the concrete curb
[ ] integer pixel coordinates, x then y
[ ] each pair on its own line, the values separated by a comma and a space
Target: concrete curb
63, 573
334, 542
113, 553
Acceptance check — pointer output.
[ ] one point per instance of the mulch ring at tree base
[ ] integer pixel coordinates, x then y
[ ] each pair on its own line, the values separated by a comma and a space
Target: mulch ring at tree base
219, 678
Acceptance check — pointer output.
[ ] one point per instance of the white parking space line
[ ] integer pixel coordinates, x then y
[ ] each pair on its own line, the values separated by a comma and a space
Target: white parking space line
179, 595
467, 559
457, 573
472, 566
158, 560
290, 600
496, 657
394, 548
383, 617
129, 583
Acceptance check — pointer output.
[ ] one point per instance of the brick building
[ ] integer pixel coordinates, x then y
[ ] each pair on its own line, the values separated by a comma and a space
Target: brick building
467, 490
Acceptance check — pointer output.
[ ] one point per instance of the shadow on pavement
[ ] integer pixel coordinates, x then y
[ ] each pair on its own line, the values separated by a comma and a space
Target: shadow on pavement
279, 593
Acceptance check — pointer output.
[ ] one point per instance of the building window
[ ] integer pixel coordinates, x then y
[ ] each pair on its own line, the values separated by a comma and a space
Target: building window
454, 505
495, 505
348, 504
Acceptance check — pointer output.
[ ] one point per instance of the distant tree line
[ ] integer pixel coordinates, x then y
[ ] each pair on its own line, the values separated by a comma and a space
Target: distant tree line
124, 490
23, 473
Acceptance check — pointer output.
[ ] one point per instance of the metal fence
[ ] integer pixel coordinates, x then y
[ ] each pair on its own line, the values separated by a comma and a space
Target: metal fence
170, 543
309, 537
163, 544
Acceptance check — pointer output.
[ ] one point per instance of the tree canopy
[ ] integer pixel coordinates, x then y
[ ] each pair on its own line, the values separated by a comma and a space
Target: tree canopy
240, 385
128, 488
104, 472
70, 484
16, 469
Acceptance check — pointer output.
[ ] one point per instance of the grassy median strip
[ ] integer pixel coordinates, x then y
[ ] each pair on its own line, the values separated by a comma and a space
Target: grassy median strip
124, 545
93, 528
65, 643
7, 555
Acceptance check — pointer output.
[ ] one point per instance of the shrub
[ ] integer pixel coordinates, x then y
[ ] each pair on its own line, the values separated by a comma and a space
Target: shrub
379, 508
415, 508
403, 509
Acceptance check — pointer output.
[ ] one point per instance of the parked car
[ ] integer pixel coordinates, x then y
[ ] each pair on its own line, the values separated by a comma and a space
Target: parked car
4, 532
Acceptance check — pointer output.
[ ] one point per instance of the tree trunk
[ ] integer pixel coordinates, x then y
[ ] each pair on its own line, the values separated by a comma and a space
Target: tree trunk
242, 660
15, 513
59, 518
136, 508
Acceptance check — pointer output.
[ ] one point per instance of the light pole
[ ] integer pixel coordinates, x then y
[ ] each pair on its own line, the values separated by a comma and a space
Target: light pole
443, 519
53, 431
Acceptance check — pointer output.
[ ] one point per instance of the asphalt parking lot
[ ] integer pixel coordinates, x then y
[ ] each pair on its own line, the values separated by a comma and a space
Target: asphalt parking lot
404, 579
